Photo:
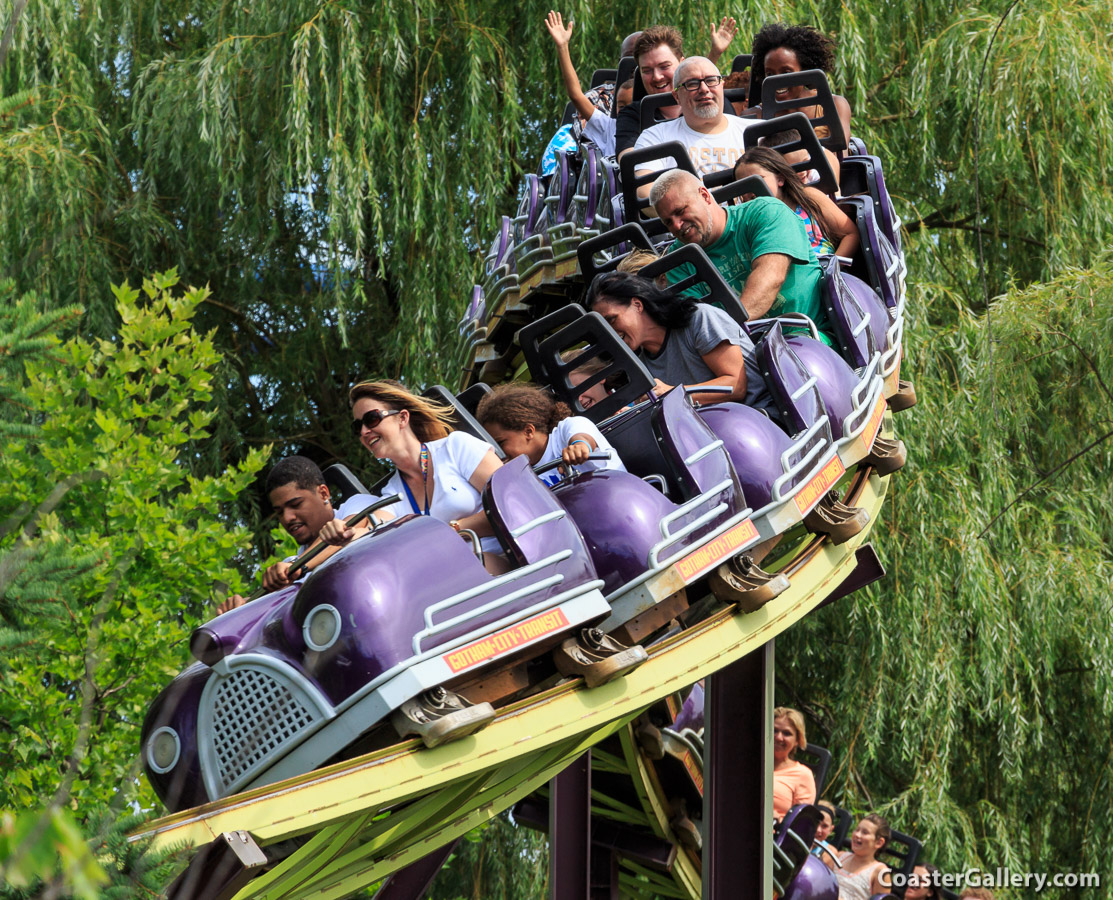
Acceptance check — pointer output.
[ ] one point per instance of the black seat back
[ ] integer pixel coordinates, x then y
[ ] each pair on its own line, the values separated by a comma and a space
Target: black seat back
651, 105
593, 253
901, 852
806, 141
741, 62
546, 339
462, 418
602, 76
343, 482
735, 190
631, 181
814, 79
627, 69
818, 759
700, 274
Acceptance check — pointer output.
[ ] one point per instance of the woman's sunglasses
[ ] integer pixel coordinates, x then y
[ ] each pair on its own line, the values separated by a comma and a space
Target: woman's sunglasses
371, 419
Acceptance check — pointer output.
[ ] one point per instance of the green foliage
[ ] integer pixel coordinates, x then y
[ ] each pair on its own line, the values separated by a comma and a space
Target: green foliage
499, 861
34, 844
108, 550
967, 695
332, 171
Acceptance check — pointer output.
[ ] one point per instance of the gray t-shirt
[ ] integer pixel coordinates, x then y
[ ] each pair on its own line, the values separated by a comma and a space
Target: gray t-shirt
680, 359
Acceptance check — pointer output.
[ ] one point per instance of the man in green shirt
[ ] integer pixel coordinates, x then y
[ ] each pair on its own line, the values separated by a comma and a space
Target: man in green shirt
759, 247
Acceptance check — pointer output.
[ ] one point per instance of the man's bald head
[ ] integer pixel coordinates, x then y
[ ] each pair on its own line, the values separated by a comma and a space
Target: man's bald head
680, 75
628, 43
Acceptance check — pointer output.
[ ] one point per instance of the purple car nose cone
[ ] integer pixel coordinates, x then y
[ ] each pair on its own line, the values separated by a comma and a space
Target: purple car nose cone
755, 445
814, 881
835, 379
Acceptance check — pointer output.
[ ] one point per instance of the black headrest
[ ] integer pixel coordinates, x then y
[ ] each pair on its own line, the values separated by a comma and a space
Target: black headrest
807, 141
602, 76
733, 190
630, 233
816, 80
649, 106
629, 165
342, 482
462, 419
741, 62
544, 340
703, 275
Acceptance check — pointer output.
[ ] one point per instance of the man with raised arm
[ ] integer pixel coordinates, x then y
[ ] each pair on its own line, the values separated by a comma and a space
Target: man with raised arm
713, 139
301, 500
759, 247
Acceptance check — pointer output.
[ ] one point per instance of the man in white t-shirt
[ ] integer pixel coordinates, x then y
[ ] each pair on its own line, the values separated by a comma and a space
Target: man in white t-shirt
713, 139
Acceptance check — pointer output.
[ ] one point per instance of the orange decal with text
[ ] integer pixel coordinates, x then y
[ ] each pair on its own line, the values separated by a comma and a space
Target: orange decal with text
720, 548
874, 424
508, 639
810, 493
694, 771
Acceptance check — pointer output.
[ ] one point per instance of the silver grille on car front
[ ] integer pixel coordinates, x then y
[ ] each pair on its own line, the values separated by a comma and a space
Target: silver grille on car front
250, 716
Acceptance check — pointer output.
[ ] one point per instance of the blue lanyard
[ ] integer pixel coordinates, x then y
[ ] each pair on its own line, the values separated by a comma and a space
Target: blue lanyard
425, 482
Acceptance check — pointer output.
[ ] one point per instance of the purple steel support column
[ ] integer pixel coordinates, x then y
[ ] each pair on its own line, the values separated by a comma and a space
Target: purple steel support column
570, 832
412, 882
604, 874
738, 779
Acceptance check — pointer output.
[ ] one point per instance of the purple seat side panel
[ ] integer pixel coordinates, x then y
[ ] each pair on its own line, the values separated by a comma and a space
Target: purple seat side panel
834, 378
618, 515
755, 444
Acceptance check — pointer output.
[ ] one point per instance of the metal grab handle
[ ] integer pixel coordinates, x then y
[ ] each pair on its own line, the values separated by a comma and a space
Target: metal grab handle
708, 389
554, 463
476, 547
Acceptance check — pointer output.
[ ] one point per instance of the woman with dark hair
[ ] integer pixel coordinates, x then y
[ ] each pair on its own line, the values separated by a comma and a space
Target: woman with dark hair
923, 883
829, 229
524, 419
679, 340
779, 49
439, 472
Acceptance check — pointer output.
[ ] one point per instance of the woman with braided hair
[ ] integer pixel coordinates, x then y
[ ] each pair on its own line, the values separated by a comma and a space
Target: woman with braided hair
524, 419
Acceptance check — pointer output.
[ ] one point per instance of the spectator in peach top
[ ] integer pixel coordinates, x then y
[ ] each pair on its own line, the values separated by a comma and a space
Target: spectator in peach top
793, 782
